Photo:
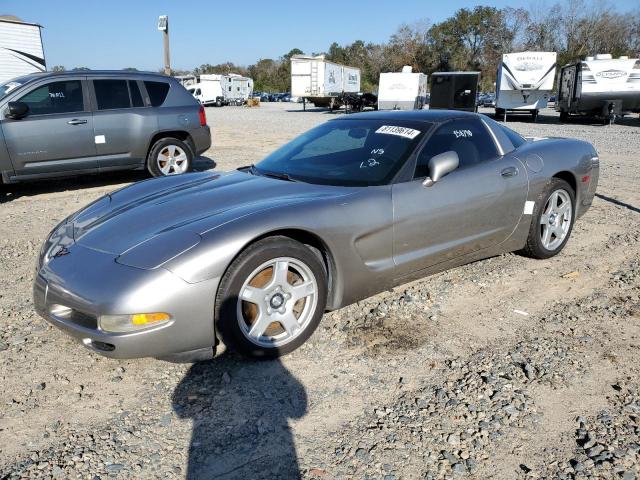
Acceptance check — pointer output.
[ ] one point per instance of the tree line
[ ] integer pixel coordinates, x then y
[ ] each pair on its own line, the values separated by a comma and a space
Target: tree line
472, 40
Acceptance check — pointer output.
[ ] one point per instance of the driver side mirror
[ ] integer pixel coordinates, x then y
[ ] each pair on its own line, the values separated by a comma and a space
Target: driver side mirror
17, 110
441, 165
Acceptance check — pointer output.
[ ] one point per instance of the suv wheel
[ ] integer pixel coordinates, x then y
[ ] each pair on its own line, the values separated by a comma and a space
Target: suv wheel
169, 156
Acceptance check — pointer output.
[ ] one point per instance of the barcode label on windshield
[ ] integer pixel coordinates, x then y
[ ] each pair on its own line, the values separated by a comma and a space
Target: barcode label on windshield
399, 131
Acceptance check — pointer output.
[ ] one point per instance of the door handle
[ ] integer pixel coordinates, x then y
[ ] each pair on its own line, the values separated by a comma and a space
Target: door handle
76, 121
509, 172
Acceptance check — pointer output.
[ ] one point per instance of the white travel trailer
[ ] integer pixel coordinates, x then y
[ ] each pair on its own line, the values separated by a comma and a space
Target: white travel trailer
235, 88
524, 82
599, 86
21, 49
322, 82
208, 91
403, 90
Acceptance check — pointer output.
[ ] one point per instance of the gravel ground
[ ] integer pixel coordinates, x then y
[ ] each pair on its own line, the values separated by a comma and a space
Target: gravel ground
504, 368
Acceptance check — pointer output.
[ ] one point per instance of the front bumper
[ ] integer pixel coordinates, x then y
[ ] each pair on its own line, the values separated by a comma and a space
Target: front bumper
84, 284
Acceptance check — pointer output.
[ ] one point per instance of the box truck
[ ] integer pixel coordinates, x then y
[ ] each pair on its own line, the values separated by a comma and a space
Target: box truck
524, 82
599, 86
21, 49
405, 90
208, 91
322, 82
454, 90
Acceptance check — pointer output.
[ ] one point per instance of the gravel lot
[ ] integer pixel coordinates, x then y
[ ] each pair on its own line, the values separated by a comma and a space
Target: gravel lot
440, 378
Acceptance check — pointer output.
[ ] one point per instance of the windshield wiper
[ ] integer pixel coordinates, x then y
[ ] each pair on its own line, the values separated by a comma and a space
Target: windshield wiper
253, 170
279, 176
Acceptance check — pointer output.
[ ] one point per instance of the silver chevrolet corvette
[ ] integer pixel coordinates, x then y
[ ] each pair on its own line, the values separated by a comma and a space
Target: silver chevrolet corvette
169, 267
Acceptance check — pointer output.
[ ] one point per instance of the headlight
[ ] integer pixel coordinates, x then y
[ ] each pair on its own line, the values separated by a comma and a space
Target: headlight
132, 323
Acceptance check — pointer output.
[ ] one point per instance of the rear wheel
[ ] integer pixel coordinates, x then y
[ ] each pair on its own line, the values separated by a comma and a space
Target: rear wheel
271, 299
169, 156
552, 220
534, 115
564, 116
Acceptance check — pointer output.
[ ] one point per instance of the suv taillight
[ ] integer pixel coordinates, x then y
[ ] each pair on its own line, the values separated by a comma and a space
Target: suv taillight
203, 116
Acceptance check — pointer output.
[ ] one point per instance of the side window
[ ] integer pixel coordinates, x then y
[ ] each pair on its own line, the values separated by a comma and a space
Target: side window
157, 92
470, 139
136, 96
111, 94
55, 97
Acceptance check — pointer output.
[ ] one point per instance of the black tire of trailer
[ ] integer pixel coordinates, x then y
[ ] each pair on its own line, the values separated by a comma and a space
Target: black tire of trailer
564, 116
499, 115
534, 115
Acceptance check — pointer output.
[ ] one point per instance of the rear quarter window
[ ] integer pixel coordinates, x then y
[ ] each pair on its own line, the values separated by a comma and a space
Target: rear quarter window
157, 92
515, 138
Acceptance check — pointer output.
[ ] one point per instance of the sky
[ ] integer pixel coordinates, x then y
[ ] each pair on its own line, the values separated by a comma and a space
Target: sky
114, 34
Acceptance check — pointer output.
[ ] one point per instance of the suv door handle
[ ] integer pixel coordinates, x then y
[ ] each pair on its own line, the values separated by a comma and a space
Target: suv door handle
76, 121
509, 172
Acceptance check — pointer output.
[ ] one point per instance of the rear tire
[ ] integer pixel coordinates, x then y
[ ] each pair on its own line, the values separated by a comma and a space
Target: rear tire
169, 156
552, 220
271, 298
564, 116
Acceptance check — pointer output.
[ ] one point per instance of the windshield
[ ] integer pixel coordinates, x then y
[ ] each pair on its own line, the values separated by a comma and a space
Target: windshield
358, 152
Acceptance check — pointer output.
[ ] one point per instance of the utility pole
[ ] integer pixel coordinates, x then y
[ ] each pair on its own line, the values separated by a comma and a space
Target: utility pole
163, 26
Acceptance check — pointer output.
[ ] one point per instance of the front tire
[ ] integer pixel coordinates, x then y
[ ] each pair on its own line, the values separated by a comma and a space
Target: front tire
552, 220
271, 298
169, 156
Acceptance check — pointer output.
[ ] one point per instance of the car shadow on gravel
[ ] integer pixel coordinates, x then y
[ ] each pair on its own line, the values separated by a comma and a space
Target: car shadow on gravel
14, 191
240, 411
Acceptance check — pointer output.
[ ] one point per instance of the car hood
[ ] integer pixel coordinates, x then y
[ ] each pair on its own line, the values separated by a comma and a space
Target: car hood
194, 203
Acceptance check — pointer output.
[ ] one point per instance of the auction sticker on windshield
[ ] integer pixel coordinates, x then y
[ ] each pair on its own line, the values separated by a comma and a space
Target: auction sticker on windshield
399, 131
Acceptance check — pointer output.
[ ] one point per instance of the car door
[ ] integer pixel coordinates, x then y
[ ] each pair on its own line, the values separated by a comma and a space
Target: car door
475, 207
56, 136
123, 122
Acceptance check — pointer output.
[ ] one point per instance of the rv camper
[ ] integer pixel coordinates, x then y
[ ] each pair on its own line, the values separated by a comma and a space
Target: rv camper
599, 86
235, 88
21, 49
208, 91
524, 82
403, 90
322, 82
454, 90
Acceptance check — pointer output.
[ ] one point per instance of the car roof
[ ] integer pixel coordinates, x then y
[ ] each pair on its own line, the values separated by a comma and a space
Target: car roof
431, 116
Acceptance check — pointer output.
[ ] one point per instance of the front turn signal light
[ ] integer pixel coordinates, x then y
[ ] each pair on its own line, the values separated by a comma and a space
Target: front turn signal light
133, 322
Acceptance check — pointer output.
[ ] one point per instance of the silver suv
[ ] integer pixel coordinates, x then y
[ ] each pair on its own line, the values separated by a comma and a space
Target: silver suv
55, 124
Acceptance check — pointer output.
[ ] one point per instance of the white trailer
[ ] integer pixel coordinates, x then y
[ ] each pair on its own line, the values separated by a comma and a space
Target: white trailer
524, 82
21, 51
208, 91
322, 82
599, 86
405, 90
236, 88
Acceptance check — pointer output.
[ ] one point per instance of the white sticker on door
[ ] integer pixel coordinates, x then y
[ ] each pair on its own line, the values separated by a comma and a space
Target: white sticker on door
528, 207
405, 132
100, 139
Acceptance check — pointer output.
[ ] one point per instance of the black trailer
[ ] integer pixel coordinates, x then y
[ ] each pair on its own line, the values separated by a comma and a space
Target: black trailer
454, 90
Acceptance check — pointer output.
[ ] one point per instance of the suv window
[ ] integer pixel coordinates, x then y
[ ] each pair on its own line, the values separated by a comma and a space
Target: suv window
55, 97
157, 92
111, 94
136, 96
468, 138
